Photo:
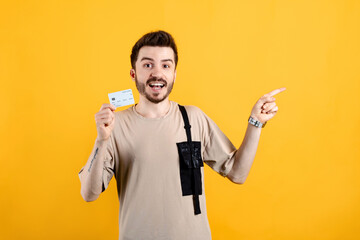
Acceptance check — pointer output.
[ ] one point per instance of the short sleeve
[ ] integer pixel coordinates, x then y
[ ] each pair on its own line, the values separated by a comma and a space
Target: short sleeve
219, 152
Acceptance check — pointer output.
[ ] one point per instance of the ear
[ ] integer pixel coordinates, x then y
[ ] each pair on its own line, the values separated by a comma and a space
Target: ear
132, 74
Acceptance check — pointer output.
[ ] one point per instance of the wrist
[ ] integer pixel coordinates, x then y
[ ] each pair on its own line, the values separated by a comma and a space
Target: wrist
255, 118
255, 122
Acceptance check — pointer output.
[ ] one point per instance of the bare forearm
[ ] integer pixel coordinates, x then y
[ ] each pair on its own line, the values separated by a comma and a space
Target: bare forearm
245, 155
91, 174
264, 110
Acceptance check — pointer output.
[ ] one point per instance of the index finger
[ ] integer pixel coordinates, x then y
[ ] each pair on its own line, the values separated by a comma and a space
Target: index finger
274, 92
108, 105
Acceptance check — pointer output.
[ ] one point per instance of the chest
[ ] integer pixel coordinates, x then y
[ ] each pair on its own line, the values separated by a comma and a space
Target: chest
152, 145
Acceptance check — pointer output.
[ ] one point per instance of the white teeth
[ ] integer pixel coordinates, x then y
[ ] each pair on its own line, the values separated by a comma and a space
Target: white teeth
156, 84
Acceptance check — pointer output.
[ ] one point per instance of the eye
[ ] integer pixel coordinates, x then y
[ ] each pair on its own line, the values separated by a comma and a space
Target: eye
166, 66
147, 65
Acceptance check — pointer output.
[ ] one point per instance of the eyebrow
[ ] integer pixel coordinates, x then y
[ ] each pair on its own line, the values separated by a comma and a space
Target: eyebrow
163, 60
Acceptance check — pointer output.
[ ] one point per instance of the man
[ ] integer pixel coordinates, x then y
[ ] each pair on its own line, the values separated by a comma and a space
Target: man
157, 162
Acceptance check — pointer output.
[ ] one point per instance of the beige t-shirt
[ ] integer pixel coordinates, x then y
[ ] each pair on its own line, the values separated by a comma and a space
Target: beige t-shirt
142, 154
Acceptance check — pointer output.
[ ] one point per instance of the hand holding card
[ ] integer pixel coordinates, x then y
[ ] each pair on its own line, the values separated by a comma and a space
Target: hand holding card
105, 121
105, 118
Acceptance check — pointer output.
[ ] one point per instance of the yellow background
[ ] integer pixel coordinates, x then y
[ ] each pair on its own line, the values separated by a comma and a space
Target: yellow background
60, 59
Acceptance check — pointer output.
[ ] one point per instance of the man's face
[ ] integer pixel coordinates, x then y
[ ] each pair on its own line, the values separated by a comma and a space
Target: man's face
155, 73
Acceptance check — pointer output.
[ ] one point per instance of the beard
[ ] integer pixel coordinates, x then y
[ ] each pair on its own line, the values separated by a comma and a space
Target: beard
153, 97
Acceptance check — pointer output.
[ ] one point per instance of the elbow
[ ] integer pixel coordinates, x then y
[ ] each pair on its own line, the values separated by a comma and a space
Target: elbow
235, 177
88, 196
88, 199
236, 180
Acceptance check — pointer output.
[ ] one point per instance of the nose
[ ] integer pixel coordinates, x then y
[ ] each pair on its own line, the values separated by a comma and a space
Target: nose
156, 72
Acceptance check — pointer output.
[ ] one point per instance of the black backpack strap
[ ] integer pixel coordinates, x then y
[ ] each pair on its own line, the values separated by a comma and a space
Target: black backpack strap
187, 124
188, 135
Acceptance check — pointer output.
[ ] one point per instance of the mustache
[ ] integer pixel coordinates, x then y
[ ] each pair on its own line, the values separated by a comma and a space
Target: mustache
155, 79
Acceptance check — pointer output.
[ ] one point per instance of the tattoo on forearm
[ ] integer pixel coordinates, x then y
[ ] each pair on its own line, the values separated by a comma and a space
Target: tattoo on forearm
92, 160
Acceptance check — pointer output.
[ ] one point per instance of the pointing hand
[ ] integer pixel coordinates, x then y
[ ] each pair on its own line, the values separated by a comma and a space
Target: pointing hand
265, 108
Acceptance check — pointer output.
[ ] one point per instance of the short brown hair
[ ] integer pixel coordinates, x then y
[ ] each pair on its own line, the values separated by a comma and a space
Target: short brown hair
155, 39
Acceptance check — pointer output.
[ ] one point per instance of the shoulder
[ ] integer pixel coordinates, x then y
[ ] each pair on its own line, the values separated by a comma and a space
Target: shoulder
193, 109
195, 112
199, 120
124, 112
124, 115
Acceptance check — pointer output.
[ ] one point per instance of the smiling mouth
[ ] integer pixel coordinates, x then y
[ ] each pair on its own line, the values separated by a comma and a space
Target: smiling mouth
156, 86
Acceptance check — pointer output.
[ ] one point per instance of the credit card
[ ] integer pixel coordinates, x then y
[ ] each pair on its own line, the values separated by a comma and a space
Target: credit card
121, 98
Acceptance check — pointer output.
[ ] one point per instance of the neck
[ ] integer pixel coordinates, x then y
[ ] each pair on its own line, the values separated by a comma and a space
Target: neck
152, 110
